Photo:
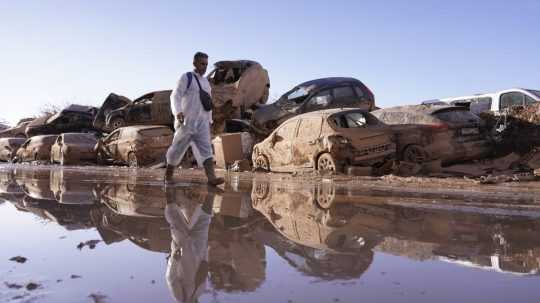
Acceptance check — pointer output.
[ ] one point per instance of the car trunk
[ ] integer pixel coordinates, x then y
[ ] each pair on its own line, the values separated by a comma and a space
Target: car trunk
465, 125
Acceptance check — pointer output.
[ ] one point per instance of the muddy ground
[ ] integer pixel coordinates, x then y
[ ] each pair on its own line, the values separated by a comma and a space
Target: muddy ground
110, 234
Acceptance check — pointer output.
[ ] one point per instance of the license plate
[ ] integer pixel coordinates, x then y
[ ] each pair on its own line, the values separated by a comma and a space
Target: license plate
470, 131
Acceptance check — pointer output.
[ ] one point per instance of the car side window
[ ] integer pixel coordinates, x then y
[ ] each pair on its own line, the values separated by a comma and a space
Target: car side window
287, 131
512, 99
309, 128
320, 101
529, 100
344, 96
359, 92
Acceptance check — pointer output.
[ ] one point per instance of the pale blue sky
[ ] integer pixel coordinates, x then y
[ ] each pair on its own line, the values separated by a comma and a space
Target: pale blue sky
406, 51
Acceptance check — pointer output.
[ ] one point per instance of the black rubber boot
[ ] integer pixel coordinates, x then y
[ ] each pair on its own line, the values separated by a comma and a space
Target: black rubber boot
169, 173
211, 174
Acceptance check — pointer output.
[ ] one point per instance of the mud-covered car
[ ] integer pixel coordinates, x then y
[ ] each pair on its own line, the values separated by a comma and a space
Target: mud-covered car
8, 148
150, 109
325, 93
430, 132
68, 188
135, 145
327, 140
74, 118
112, 102
18, 130
37, 148
74, 148
237, 88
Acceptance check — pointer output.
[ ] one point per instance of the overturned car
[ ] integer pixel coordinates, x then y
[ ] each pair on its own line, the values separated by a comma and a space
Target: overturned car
431, 132
74, 148
334, 140
237, 88
74, 118
319, 94
135, 145
117, 111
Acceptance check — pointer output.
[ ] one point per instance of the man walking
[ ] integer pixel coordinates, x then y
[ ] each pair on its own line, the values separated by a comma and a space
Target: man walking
191, 107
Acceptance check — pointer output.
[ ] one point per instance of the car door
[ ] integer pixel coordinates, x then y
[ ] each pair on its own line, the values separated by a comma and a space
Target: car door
141, 112
281, 150
306, 142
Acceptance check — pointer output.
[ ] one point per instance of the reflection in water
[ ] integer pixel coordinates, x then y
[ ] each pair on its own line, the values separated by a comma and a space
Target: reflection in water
321, 230
187, 267
502, 240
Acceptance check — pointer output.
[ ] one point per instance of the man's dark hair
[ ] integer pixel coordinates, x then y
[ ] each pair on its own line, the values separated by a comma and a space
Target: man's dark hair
200, 55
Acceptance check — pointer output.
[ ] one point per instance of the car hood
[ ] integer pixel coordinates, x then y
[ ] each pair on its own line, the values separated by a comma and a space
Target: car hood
266, 113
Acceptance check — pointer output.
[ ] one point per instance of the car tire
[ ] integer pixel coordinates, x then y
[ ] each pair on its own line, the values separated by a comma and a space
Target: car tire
261, 162
327, 164
117, 123
326, 195
414, 153
132, 160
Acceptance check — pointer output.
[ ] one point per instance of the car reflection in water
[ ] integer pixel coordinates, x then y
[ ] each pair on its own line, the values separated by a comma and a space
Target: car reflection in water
217, 239
502, 240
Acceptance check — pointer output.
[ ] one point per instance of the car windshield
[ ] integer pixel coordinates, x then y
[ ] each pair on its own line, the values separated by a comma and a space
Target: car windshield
457, 116
534, 92
298, 95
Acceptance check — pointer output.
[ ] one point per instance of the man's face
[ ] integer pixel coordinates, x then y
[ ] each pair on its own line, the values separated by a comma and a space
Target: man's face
200, 65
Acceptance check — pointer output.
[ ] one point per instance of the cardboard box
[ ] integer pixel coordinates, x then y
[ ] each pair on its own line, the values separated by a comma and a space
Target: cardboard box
227, 149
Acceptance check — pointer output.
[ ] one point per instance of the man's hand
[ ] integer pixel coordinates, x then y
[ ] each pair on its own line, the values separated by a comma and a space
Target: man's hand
180, 118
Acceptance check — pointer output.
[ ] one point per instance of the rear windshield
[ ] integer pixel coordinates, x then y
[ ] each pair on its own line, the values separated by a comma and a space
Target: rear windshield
80, 139
457, 116
353, 120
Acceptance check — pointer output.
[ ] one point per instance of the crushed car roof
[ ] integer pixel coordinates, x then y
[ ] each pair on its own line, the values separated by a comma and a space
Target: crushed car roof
236, 63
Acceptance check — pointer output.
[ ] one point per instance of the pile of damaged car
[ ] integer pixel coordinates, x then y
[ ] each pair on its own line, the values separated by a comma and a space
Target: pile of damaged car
322, 126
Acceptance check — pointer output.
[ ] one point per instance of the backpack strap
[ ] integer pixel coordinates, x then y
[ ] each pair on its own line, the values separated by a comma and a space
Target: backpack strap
189, 80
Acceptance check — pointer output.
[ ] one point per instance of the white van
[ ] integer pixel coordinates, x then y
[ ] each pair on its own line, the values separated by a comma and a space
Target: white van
497, 102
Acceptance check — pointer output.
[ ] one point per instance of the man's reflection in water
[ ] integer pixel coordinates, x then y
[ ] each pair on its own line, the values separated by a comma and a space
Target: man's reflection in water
188, 212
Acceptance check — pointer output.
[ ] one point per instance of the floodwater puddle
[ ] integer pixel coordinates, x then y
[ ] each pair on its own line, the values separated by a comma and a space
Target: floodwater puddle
104, 235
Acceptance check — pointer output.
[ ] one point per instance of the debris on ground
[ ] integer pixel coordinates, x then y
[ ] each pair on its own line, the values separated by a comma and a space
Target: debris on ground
13, 285
91, 244
241, 165
98, 298
32, 286
75, 277
18, 259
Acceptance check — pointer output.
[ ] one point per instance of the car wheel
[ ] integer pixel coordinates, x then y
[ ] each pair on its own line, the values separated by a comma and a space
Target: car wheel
414, 153
261, 162
326, 195
117, 123
327, 164
132, 160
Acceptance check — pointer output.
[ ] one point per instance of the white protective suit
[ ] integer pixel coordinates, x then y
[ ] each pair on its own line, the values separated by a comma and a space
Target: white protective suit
189, 248
196, 128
